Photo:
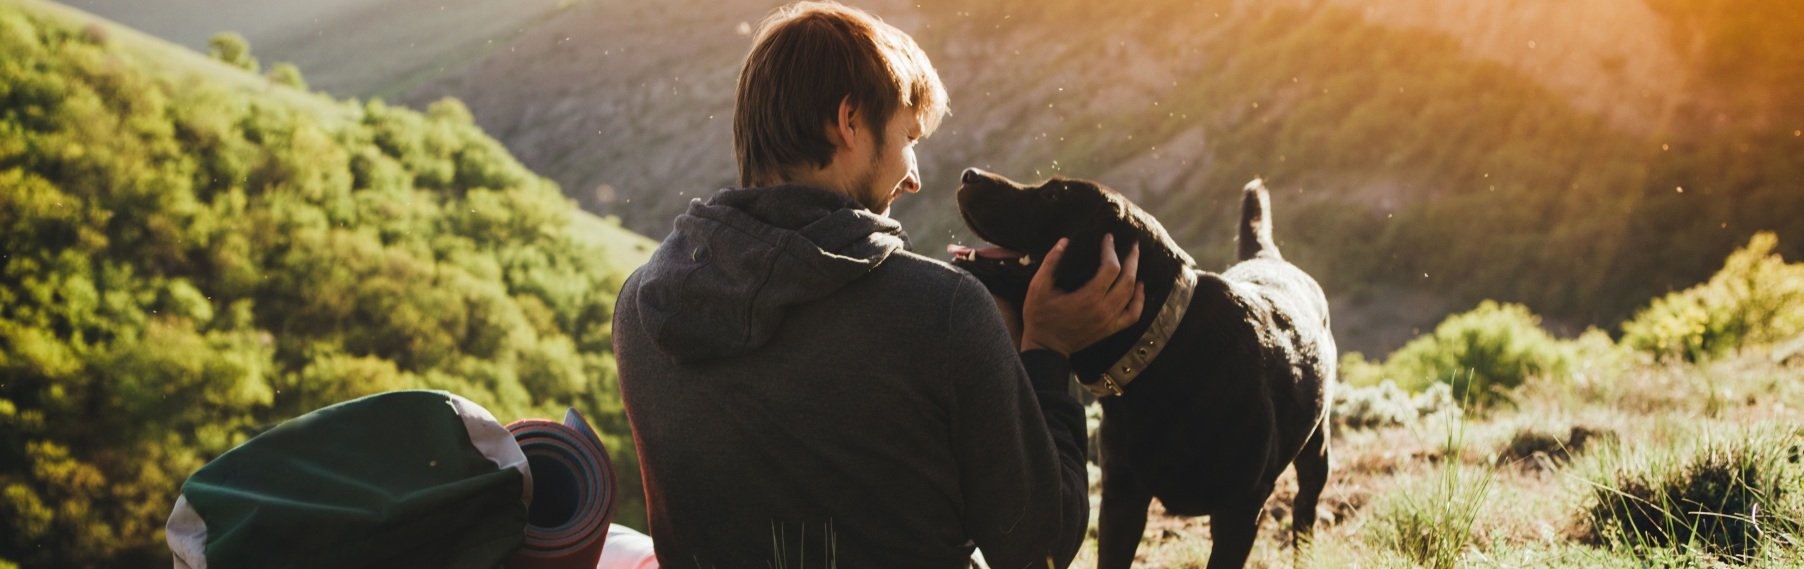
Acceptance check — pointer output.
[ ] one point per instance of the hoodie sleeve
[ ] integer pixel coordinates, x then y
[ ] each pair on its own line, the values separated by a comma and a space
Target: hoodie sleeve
1016, 433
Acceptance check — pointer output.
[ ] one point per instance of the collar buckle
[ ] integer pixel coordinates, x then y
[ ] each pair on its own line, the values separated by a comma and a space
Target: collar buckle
1104, 387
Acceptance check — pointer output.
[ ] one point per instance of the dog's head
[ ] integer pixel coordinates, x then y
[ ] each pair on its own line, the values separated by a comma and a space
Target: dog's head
1024, 222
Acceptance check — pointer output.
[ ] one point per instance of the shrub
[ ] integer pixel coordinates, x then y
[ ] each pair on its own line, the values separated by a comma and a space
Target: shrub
1737, 499
232, 49
1482, 354
1594, 357
1356, 371
1756, 299
1531, 445
1386, 404
287, 74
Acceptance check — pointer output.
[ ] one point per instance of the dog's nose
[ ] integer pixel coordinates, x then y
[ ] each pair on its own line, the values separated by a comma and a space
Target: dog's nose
972, 175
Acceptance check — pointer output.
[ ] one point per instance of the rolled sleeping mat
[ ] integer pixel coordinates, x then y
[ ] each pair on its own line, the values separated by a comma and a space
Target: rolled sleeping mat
573, 494
402, 479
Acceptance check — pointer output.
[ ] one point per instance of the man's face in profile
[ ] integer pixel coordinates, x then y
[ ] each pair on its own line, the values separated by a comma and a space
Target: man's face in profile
891, 164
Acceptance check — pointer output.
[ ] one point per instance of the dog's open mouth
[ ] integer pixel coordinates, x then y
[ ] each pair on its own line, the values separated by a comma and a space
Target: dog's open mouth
992, 253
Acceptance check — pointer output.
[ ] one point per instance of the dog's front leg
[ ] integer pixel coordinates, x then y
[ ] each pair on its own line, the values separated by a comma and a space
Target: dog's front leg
1122, 520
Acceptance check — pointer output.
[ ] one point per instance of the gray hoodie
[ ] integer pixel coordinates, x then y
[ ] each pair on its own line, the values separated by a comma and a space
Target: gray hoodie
804, 390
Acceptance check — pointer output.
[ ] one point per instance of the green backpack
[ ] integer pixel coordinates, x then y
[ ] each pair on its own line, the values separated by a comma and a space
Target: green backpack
396, 480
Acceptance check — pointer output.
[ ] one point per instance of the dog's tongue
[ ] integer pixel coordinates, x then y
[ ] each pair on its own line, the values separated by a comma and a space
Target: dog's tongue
991, 253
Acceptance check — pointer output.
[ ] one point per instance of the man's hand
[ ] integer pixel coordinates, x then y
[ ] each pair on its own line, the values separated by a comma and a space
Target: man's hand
1066, 322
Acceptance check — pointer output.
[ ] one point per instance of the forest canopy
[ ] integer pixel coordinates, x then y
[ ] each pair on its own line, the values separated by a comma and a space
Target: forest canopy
191, 253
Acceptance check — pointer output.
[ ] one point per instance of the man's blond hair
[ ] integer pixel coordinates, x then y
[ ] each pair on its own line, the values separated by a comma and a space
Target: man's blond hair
806, 58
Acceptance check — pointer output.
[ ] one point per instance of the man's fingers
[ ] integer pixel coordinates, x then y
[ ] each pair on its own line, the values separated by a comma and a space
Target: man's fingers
1130, 268
1043, 278
1108, 269
1124, 283
1131, 314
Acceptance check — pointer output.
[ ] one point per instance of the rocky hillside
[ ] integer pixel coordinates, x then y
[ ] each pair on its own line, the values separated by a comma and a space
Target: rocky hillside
1427, 154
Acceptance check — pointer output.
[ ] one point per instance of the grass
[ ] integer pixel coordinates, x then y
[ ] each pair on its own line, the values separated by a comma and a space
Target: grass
1430, 520
781, 551
1471, 492
1731, 496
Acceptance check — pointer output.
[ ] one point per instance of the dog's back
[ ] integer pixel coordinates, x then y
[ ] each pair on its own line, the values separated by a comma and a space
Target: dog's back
1295, 304
1291, 289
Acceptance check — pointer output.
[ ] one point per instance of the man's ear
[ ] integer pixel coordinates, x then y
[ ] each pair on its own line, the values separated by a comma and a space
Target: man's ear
844, 130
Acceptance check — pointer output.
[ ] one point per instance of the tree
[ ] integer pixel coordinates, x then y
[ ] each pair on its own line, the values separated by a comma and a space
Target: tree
287, 74
233, 49
185, 263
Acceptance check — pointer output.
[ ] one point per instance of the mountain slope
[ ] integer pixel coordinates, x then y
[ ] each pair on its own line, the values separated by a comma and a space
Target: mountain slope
352, 48
190, 253
1427, 154
1433, 153
397, 44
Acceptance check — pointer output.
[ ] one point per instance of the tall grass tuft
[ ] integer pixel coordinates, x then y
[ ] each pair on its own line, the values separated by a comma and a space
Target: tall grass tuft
1433, 521
1736, 499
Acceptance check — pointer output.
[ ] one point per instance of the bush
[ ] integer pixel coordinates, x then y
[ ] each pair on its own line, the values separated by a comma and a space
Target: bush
1386, 405
1755, 300
1532, 445
1594, 357
1481, 354
232, 49
288, 75
1737, 499
1356, 371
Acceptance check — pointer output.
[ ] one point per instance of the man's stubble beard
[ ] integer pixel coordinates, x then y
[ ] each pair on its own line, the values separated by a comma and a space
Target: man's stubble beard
865, 186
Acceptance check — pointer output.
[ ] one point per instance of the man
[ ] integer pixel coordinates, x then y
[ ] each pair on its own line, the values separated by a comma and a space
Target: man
803, 390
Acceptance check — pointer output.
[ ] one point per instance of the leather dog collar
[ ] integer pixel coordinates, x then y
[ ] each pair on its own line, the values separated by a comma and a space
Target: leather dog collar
1149, 345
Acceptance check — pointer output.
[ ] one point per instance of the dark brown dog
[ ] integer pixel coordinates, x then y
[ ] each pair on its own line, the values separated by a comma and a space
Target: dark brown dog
1207, 424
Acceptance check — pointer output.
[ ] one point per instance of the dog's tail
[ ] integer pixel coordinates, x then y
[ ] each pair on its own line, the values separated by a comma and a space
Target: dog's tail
1256, 222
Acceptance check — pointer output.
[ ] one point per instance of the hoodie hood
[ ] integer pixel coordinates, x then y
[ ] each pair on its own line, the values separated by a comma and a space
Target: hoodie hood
734, 266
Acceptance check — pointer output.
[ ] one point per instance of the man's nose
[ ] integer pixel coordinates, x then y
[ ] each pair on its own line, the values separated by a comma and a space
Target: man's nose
912, 182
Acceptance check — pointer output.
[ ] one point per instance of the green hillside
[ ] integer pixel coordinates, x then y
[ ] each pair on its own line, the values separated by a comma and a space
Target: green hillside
190, 253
